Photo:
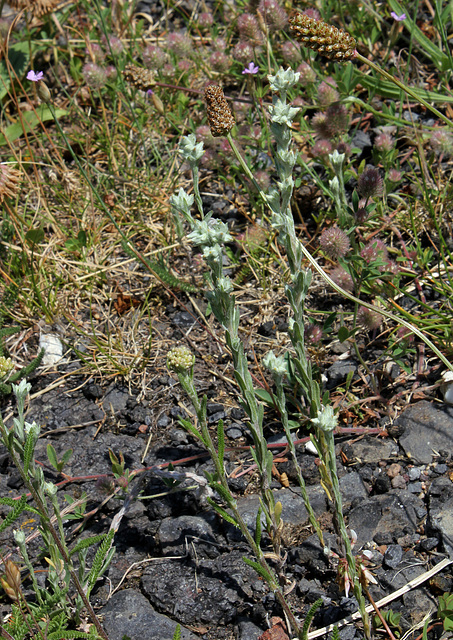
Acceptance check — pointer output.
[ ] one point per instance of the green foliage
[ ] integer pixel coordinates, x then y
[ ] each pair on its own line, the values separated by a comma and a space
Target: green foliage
445, 611
222, 513
17, 64
6, 387
260, 570
52, 621
29, 121
335, 633
220, 441
101, 561
177, 633
309, 617
58, 465
17, 508
82, 545
392, 618
192, 430
258, 529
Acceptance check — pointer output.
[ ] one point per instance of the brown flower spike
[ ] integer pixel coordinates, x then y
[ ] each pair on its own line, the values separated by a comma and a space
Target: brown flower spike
9, 181
37, 7
220, 118
327, 40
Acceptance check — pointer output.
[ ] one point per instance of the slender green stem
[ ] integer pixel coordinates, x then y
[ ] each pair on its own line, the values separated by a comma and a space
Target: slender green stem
243, 164
335, 486
404, 88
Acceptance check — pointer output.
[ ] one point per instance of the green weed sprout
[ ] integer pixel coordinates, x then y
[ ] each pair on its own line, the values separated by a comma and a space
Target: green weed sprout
20, 440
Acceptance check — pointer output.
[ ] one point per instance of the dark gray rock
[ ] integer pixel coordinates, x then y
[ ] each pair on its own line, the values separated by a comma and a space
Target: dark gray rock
382, 484
414, 473
394, 514
352, 488
248, 630
207, 592
163, 421
293, 512
393, 556
177, 534
441, 520
415, 487
428, 428
234, 432
310, 555
338, 372
115, 401
183, 319
280, 438
361, 140
429, 544
129, 613
92, 391
373, 450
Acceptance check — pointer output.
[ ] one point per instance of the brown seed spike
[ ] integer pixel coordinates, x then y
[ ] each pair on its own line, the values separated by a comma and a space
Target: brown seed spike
141, 78
37, 8
327, 40
220, 118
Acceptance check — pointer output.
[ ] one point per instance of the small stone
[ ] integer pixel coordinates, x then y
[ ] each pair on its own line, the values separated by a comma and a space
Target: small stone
429, 544
179, 436
408, 540
414, 473
394, 470
163, 421
440, 469
92, 391
398, 483
214, 407
215, 417
381, 484
383, 538
177, 412
415, 487
234, 433
237, 413
183, 319
393, 556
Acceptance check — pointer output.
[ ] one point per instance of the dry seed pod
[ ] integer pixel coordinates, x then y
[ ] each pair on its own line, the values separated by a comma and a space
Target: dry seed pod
327, 40
140, 78
220, 118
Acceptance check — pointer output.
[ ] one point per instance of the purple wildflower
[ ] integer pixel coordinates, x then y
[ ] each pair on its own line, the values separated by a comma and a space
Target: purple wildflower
35, 77
398, 18
252, 69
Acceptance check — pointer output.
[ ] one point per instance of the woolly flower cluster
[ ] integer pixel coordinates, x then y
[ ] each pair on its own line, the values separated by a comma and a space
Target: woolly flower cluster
334, 242
180, 359
96, 76
6, 366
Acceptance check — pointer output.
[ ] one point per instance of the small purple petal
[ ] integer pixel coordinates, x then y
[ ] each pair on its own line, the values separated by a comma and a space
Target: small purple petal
252, 69
398, 18
35, 77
